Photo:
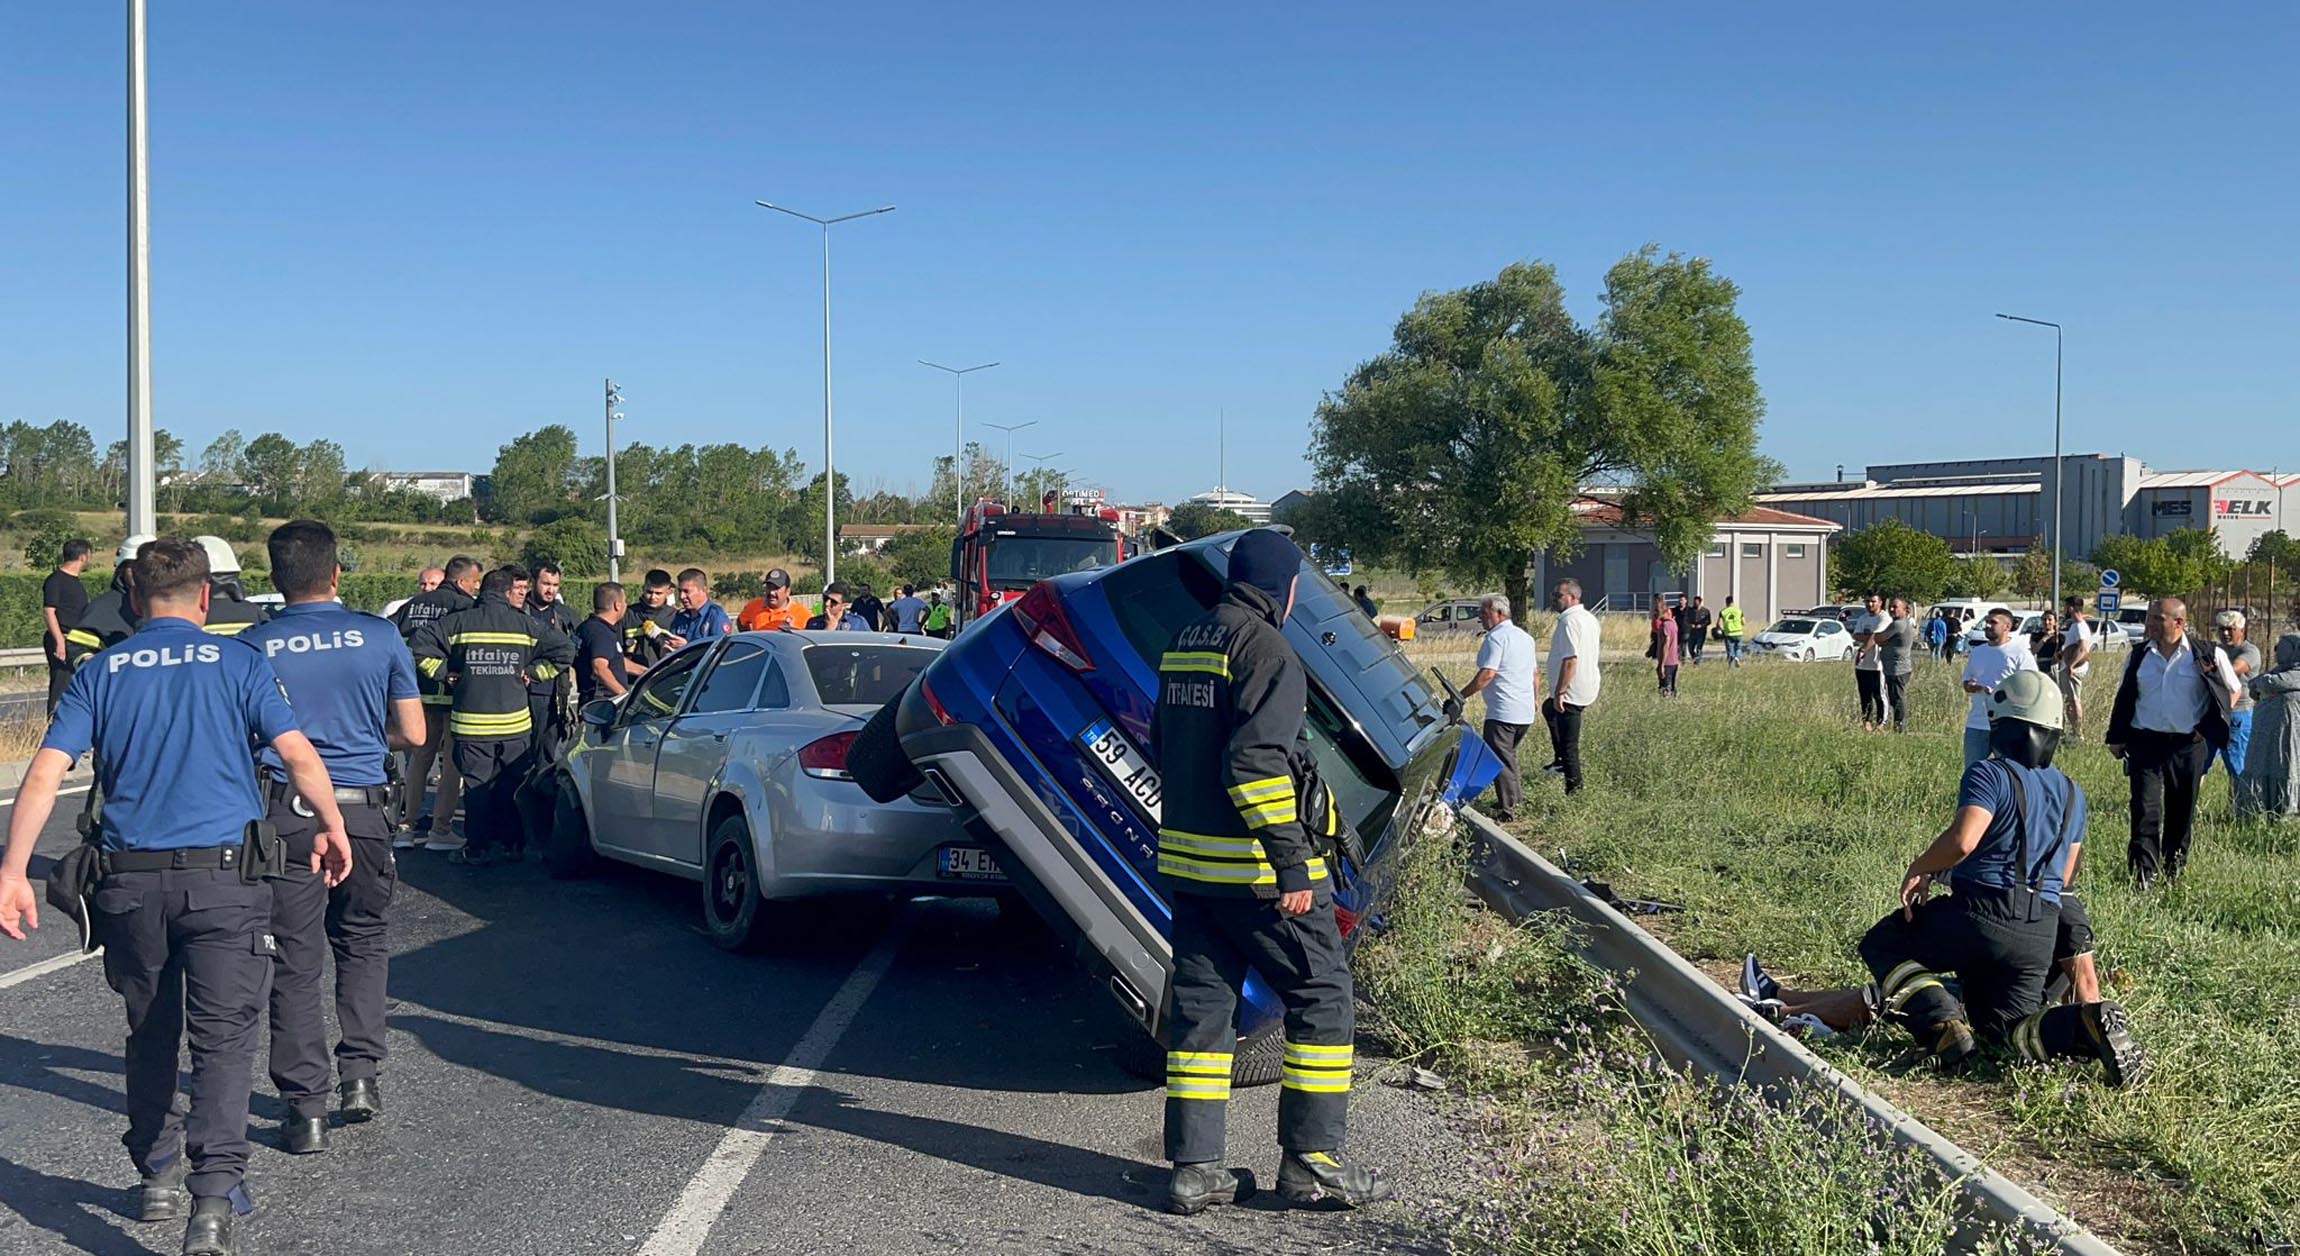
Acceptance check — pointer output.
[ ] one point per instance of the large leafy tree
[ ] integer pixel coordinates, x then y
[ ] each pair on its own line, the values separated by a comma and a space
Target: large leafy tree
1892, 558
1192, 520
534, 476
1464, 447
2176, 564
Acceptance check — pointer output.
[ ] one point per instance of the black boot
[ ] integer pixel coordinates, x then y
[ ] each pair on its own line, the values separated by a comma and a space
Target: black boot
1952, 1044
2109, 1029
1196, 1187
305, 1135
360, 1099
1307, 1177
210, 1231
164, 1197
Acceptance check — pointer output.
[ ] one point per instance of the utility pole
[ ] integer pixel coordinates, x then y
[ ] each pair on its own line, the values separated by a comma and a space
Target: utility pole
958, 376
1010, 429
2057, 510
614, 537
143, 517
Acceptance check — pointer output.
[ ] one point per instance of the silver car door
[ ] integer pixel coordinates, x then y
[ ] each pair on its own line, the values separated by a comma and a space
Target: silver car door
623, 791
696, 747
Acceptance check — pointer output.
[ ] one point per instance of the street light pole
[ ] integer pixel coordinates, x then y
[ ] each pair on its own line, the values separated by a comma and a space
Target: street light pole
1038, 473
1010, 429
614, 537
830, 462
143, 517
958, 376
2057, 508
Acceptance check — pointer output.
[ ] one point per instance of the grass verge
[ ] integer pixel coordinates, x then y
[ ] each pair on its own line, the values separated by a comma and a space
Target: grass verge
1755, 800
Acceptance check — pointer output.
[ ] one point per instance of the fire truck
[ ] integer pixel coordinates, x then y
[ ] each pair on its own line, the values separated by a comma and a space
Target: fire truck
1001, 552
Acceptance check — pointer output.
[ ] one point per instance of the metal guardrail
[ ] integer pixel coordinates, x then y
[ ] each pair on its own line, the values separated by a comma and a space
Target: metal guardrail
1692, 1021
30, 656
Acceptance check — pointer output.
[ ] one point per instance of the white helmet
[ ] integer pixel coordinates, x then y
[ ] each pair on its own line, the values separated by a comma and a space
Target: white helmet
221, 560
128, 548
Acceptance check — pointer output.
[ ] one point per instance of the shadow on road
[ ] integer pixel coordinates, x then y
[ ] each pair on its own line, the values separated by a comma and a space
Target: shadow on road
72, 1210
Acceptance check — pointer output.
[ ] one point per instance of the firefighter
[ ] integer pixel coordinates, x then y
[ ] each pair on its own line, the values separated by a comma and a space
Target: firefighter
2008, 856
111, 616
1245, 861
434, 829
488, 655
647, 629
230, 613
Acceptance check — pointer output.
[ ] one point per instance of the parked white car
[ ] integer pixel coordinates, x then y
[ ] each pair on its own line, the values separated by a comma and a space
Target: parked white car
1805, 638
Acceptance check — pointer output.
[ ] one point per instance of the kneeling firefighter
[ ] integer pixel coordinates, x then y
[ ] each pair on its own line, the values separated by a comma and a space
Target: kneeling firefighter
1244, 851
2008, 856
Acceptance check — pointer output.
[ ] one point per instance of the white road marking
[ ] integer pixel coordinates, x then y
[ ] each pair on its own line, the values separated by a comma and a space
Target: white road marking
689, 1222
76, 789
51, 964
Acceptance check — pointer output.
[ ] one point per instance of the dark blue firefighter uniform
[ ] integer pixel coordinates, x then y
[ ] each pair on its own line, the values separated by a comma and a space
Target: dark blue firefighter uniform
170, 712
342, 671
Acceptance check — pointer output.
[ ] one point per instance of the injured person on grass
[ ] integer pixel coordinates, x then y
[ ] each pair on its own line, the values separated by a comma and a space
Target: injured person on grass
2009, 857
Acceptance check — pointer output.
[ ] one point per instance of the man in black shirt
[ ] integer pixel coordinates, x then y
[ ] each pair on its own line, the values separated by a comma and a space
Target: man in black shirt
62, 598
647, 626
867, 605
600, 669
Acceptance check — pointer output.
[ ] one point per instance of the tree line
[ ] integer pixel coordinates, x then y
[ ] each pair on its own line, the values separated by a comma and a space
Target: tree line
1896, 558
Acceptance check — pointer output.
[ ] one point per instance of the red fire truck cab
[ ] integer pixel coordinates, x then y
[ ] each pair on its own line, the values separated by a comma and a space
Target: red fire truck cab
1000, 553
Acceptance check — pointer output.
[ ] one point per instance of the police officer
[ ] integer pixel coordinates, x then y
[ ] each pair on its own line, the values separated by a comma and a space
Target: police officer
1244, 854
2008, 856
111, 615
182, 910
488, 655
352, 684
230, 613
458, 590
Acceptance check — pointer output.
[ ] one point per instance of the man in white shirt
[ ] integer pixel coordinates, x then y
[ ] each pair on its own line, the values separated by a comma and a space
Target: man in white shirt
1868, 665
2171, 715
2004, 653
1507, 677
2075, 662
1573, 680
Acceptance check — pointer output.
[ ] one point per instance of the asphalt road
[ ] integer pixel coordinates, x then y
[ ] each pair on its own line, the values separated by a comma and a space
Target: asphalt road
574, 1068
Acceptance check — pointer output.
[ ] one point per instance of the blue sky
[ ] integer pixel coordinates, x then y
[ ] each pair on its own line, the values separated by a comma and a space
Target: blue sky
421, 228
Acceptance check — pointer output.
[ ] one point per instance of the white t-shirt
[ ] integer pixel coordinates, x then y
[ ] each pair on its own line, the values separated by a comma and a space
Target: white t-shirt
2078, 632
1866, 621
1508, 650
1575, 638
1989, 665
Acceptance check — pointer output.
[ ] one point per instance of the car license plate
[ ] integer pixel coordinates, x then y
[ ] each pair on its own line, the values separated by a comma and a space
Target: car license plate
969, 863
1127, 768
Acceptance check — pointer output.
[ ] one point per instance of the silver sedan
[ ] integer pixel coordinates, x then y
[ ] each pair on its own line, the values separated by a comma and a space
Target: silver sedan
726, 765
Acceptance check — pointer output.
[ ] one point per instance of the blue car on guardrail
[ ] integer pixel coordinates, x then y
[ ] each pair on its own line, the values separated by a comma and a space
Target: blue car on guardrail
1034, 724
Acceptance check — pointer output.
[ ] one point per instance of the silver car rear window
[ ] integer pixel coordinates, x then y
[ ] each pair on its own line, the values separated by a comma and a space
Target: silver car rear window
871, 675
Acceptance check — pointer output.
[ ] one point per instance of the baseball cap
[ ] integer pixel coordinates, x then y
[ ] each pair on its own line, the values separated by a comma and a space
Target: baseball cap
777, 578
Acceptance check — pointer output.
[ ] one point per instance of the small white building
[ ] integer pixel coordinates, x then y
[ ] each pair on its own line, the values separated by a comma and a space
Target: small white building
447, 486
1256, 511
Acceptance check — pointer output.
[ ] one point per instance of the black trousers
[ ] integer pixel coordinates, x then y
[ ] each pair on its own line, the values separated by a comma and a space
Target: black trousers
190, 951
1694, 640
492, 773
2000, 945
59, 675
1896, 699
1216, 941
1564, 720
309, 920
1509, 787
1872, 687
550, 747
2164, 769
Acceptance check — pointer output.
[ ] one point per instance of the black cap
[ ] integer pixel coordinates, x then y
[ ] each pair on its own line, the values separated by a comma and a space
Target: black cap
777, 578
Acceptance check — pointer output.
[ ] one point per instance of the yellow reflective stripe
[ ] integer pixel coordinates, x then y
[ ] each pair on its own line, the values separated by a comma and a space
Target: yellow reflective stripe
1229, 873
1269, 813
492, 717
438, 699
1222, 1058
1205, 844
473, 724
1901, 997
492, 638
1316, 1085
1263, 790
1207, 1090
544, 671
2028, 1037
1906, 970
1312, 1053
88, 639
228, 630
1211, 662
430, 667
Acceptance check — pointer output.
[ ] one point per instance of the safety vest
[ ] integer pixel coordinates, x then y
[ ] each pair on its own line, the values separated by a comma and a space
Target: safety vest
1729, 621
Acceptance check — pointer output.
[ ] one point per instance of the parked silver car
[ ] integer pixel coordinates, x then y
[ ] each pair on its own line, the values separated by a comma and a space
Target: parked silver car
726, 765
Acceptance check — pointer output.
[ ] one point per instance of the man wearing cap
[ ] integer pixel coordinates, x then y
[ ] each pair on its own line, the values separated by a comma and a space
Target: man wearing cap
774, 609
2244, 660
838, 613
1243, 849
2171, 714
2007, 856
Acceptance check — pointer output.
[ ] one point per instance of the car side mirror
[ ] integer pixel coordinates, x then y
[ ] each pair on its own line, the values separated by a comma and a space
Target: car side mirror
599, 712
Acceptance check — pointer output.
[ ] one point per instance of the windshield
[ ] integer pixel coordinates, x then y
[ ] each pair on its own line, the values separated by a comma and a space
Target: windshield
1793, 627
1019, 561
869, 675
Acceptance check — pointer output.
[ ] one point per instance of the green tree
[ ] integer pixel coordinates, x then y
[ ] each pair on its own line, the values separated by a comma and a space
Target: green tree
534, 476
1979, 576
1892, 558
921, 557
1192, 520
1465, 446
2278, 550
577, 544
2032, 579
2177, 564
44, 533
268, 467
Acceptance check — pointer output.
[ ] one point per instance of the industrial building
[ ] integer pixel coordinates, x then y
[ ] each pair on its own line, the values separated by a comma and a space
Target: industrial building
1771, 562
2004, 506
